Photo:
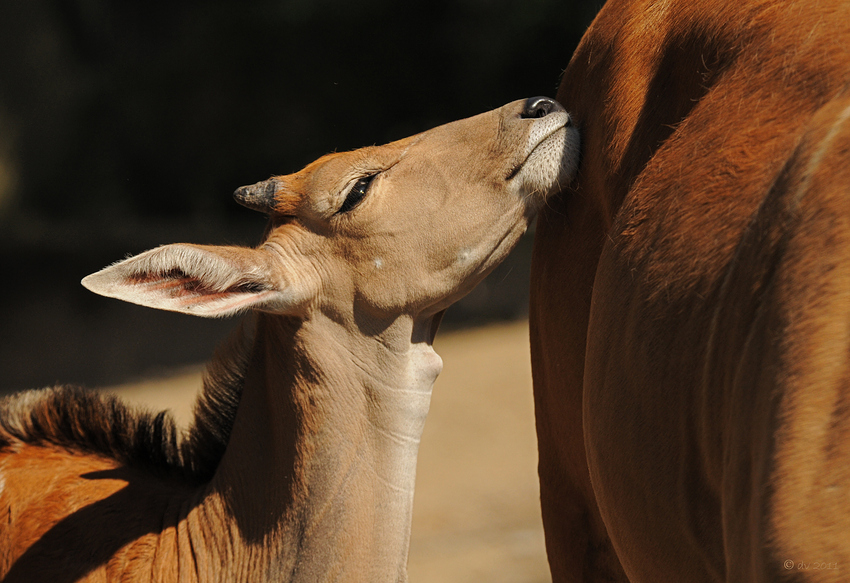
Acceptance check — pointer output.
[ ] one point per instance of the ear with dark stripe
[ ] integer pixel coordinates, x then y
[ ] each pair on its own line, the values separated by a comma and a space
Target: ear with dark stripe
206, 281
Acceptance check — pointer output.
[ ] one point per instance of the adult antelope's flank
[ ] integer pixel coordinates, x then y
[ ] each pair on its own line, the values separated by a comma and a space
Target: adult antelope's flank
300, 463
691, 298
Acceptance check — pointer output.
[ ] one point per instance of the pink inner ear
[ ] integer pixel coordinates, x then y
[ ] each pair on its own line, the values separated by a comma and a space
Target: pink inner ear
192, 290
232, 301
201, 281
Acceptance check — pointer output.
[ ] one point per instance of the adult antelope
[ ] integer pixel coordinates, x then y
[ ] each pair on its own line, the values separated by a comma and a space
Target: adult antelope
691, 298
300, 464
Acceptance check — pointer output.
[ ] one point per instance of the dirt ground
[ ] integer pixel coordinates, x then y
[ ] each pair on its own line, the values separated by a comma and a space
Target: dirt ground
476, 514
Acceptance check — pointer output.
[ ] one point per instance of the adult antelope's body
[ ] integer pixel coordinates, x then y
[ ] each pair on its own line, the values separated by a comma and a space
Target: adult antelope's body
301, 462
691, 298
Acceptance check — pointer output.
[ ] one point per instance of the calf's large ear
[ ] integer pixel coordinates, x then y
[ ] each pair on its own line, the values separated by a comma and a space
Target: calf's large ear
199, 280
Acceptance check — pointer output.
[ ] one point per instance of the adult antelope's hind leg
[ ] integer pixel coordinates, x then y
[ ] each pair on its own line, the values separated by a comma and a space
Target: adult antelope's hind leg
809, 515
563, 268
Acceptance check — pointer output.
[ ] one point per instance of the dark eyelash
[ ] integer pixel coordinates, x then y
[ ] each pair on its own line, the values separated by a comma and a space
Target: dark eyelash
356, 194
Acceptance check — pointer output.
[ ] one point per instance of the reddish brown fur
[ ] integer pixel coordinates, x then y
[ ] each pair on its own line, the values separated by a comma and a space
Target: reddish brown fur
97, 494
101, 475
691, 295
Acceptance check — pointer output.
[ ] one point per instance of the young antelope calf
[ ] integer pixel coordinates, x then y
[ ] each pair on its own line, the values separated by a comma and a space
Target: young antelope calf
300, 462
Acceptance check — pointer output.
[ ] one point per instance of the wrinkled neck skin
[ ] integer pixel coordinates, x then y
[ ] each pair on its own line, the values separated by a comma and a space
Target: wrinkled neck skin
317, 480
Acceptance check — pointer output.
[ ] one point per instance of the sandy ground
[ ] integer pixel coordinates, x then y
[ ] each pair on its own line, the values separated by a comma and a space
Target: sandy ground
476, 515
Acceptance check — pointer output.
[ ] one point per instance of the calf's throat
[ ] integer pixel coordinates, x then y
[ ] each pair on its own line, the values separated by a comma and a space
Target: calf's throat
317, 480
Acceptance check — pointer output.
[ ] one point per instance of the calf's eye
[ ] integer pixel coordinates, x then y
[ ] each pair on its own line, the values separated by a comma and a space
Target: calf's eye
356, 194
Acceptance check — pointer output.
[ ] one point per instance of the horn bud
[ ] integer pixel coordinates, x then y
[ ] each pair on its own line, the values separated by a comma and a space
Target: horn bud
258, 197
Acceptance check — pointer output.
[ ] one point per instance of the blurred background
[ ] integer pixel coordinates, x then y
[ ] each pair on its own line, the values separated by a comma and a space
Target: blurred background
128, 124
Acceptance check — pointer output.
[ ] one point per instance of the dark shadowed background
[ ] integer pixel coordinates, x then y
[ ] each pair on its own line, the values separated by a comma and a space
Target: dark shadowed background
127, 124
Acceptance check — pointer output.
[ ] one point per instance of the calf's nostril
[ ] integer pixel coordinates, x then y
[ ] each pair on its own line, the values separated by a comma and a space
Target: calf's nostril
539, 107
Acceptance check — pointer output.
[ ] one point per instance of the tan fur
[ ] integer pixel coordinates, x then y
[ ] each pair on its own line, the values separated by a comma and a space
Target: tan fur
691, 302
300, 464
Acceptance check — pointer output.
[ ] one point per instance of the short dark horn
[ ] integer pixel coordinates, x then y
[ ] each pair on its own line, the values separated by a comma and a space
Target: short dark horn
259, 197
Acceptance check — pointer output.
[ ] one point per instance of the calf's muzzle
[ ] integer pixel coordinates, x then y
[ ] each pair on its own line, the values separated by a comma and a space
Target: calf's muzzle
540, 107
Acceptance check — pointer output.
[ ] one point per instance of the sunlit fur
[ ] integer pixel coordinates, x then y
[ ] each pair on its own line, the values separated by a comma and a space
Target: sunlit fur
300, 463
691, 298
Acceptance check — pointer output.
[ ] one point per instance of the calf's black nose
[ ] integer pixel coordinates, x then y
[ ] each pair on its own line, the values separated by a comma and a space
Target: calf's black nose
540, 107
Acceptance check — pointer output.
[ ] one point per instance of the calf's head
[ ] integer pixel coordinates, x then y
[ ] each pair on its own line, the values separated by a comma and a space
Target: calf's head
405, 228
